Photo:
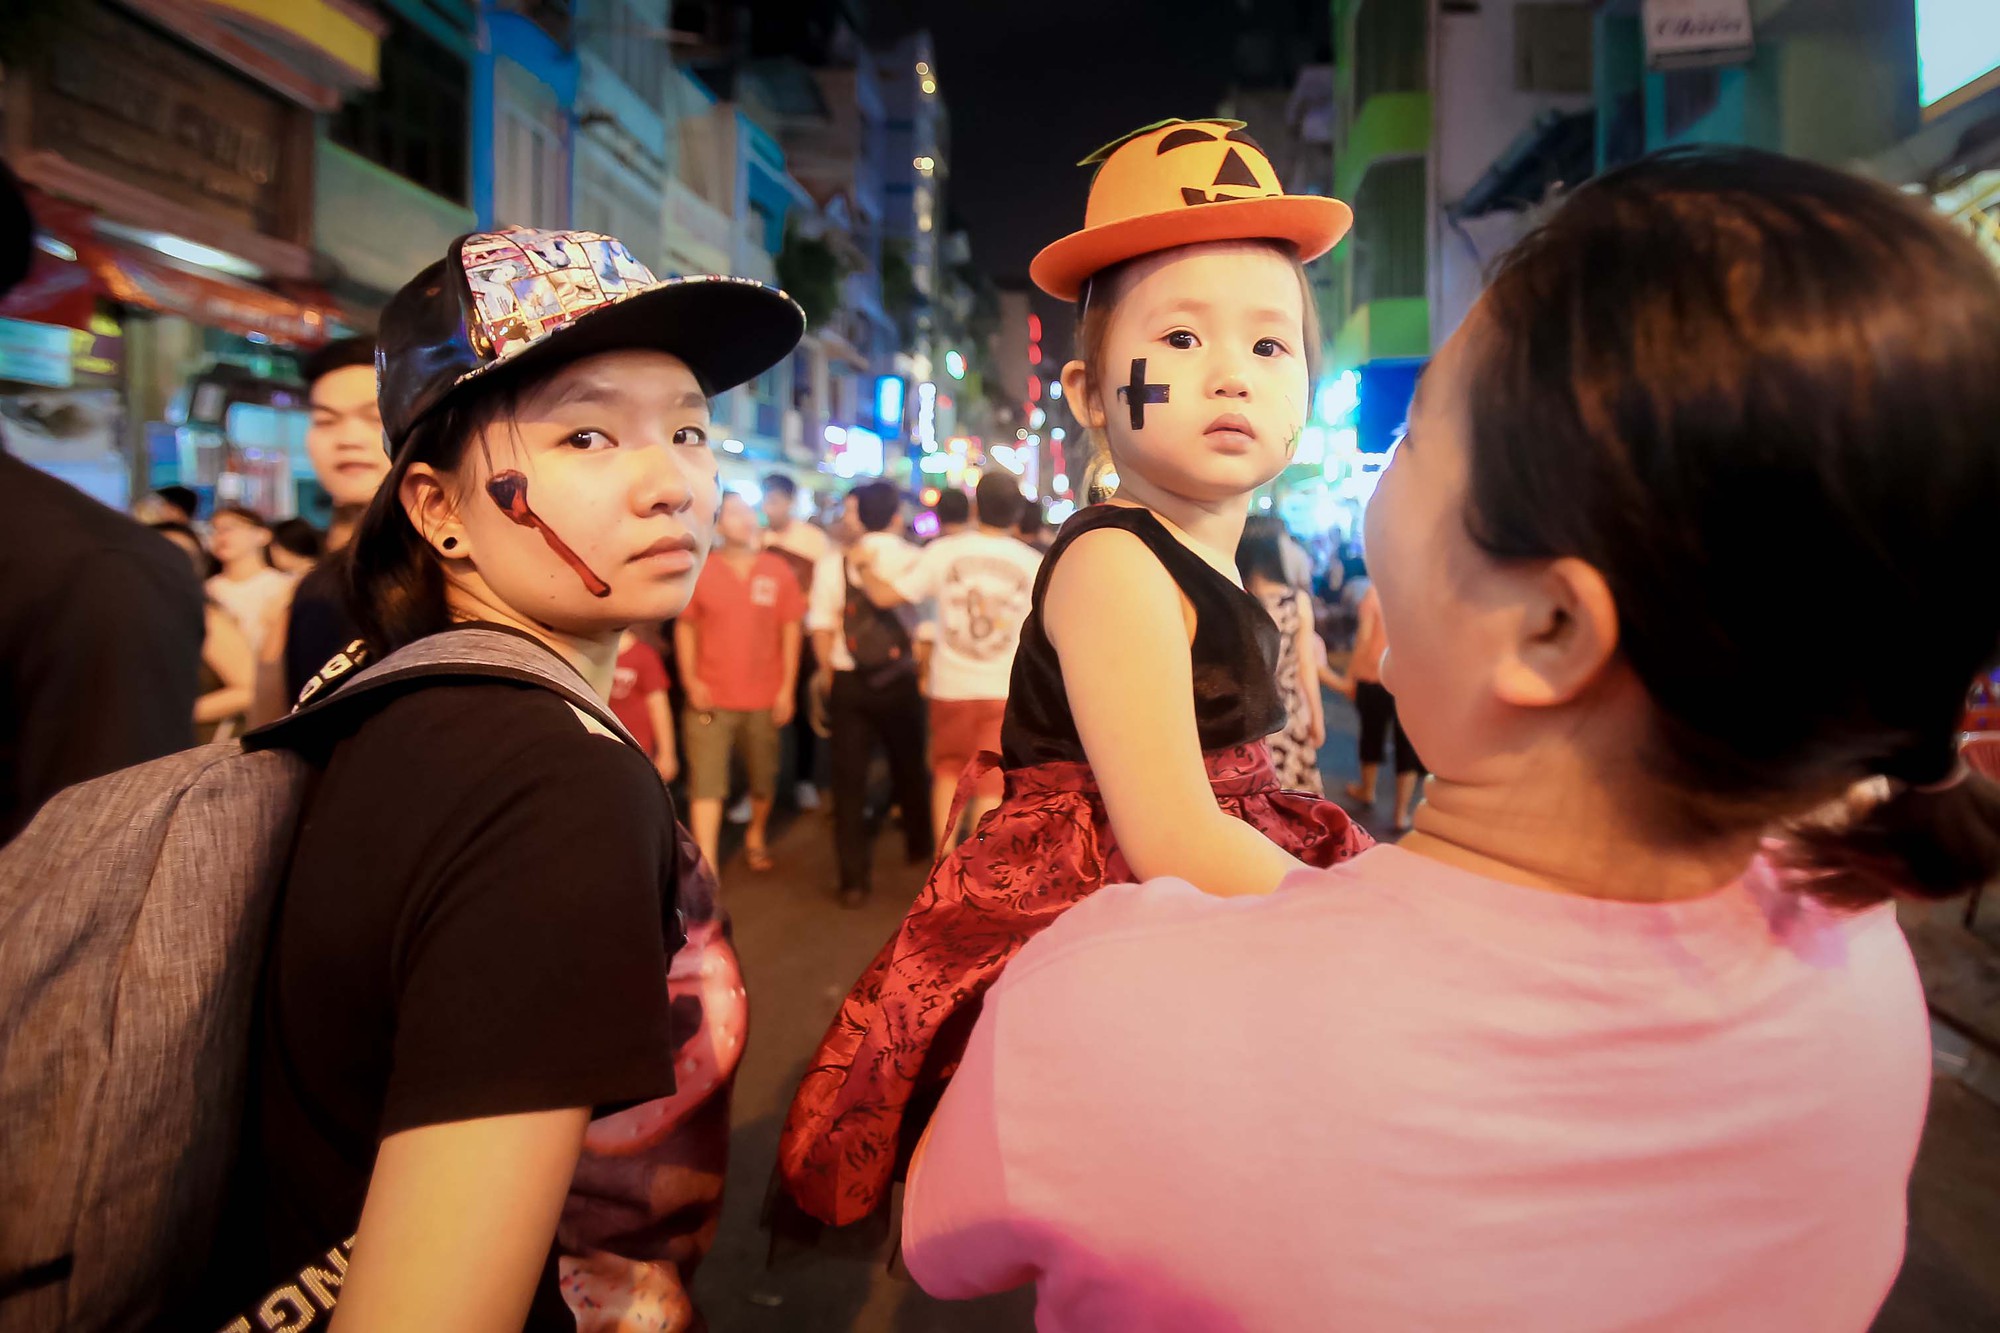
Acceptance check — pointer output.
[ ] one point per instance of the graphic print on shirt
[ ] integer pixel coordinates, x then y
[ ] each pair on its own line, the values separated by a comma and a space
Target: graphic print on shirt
981, 604
509, 490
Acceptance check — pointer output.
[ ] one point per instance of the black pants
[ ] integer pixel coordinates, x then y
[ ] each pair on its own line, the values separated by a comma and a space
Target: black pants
1377, 708
860, 717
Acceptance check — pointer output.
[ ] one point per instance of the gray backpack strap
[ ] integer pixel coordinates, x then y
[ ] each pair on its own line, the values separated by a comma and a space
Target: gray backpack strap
470, 652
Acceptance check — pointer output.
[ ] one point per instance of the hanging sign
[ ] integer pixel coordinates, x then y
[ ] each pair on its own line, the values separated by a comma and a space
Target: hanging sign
1681, 34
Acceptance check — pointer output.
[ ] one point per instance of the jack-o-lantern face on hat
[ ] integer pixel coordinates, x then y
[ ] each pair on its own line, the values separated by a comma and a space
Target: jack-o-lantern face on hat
1199, 162
1183, 182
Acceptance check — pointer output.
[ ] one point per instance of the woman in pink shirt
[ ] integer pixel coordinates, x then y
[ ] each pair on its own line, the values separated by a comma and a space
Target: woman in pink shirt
1624, 1035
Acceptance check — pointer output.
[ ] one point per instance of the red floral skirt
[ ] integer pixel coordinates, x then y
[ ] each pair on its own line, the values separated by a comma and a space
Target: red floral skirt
901, 1031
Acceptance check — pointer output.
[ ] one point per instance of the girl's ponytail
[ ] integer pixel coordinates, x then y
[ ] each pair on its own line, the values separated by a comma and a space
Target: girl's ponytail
1928, 841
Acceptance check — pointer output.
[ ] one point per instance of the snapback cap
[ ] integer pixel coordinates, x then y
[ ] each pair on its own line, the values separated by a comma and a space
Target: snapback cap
524, 297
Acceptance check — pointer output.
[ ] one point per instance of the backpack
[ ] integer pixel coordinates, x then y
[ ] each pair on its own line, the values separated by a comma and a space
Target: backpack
134, 915
877, 640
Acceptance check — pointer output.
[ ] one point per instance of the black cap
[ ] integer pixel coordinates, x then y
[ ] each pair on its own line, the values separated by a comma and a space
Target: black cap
520, 297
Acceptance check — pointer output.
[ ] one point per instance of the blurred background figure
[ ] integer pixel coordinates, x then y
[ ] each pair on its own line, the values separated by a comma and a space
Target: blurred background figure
228, 667
296, 547
1261, 558
1362, 683
245, 584
868, 664
344, 445
639, 698
1033, 529
738, 647
169, 504
976, 585
100, 620
954, 513
802, 544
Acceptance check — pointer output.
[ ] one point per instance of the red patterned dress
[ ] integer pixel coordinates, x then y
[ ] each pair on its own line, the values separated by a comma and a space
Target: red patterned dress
901, 1031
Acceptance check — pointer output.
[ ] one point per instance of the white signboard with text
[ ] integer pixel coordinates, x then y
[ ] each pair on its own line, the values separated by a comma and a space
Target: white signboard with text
1685, 33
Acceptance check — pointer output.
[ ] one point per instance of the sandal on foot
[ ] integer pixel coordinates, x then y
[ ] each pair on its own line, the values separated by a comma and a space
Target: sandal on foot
758, 859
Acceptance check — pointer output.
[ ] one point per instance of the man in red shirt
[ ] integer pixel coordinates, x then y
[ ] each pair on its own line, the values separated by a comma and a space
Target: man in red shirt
738, 644
639, 698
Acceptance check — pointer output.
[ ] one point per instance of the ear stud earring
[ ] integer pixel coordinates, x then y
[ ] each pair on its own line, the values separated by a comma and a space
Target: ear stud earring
450, 543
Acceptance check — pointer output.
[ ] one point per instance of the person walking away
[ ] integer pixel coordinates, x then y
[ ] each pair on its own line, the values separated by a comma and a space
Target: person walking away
100, 620
980, 585
1261, 559
639, 698
738, 646
1625, 1035
344, 445
471, 950
1379, 719
953, 512
872, 702
246, 586
228, 667
802, 544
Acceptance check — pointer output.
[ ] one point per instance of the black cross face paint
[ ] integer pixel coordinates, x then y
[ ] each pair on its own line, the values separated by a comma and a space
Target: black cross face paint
1138, 393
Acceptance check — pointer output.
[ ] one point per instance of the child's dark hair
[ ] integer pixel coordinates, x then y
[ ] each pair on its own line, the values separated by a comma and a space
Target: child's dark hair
1758, 396
1093, 324
393, 581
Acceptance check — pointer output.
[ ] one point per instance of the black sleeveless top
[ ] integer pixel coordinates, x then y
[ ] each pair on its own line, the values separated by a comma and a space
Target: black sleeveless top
1235, 652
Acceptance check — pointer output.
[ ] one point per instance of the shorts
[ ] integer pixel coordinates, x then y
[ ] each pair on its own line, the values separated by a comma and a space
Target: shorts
709, 738
1378, 720
960, 729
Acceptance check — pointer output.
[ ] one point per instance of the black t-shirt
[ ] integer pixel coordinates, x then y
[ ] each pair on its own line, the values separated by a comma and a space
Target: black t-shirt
100, 642
477, 922
317, 628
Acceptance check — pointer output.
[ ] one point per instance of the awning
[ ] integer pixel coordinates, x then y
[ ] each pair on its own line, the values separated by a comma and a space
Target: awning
1557, 148
62, 290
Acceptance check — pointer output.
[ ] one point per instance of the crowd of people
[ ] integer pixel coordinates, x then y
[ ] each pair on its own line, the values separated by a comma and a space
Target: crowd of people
1620, 1033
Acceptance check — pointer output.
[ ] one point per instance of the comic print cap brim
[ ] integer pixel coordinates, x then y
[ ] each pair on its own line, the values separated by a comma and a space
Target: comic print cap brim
1184, 182
536, 300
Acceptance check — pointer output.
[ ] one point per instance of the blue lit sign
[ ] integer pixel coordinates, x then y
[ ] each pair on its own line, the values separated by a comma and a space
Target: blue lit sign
889, 403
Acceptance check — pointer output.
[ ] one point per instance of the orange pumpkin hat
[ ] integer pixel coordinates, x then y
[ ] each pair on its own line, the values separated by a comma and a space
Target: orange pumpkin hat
1182, 182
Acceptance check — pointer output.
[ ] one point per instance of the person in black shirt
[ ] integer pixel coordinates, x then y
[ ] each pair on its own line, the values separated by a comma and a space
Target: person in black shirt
100, 620
344, 442
469, 954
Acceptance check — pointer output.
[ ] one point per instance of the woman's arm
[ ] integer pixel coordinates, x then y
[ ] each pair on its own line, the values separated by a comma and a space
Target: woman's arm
458, 1221
227, 653
1306, 652
268, 702
1126, 665
698, 695
665, 757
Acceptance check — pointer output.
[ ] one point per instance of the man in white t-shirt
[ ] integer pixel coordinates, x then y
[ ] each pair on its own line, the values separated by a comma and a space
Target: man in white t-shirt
878, 702
803, 546
979, 585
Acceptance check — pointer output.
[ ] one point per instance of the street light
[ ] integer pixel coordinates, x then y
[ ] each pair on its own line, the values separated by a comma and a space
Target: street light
954, 364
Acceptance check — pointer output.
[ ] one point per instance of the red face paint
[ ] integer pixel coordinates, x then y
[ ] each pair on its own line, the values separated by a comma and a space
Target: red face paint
509, 490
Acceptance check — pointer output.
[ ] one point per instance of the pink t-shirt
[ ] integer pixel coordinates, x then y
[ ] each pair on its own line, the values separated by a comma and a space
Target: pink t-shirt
1395, 1095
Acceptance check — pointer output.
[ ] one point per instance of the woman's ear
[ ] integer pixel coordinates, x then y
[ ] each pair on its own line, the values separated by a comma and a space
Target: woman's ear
1566, 636
1076, 392
427, 499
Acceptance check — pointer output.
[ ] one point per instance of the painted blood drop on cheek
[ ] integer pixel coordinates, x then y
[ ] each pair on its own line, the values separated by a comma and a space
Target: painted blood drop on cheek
509, 490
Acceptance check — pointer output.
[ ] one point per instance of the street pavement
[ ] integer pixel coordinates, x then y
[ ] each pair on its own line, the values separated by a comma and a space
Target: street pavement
800, 951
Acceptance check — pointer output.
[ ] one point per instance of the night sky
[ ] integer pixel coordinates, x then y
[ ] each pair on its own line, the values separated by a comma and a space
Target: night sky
1033, 85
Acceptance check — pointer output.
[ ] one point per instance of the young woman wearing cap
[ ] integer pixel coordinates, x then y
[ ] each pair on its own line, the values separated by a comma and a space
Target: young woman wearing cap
1145, 680
1625, 1035
470, 953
